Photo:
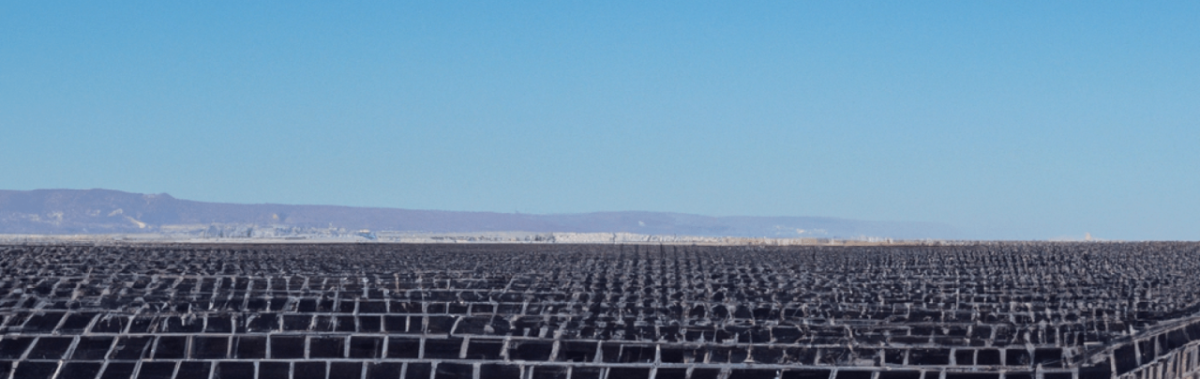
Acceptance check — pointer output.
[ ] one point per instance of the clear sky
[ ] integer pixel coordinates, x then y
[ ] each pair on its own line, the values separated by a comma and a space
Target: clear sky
1005, 119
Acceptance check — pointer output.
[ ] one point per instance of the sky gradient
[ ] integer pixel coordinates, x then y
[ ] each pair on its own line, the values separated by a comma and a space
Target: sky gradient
1007, 120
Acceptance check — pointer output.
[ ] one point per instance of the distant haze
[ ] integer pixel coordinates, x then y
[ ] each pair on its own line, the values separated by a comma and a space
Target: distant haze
99, 211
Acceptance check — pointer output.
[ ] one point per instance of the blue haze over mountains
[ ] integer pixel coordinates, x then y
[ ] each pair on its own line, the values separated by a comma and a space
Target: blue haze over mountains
99, 211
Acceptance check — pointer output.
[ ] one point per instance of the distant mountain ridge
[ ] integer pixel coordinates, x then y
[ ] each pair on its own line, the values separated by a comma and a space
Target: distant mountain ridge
99, 211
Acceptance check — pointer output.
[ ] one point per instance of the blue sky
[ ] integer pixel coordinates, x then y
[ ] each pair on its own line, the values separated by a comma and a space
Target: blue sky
1005, 119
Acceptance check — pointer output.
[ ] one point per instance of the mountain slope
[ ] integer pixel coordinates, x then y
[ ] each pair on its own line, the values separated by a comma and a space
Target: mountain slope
99, 211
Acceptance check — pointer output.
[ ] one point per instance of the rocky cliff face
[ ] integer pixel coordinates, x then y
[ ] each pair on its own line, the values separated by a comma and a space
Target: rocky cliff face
100, 211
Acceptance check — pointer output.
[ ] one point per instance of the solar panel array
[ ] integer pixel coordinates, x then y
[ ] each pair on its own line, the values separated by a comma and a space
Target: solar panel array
988, 311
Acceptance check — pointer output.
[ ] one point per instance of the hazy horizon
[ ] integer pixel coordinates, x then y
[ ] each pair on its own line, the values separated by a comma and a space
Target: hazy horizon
101, 211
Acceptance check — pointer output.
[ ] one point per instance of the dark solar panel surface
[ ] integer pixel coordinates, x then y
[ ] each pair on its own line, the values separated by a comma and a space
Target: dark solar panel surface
1011, 311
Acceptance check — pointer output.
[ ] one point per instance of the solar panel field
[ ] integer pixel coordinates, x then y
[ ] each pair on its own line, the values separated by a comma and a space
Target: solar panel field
981, 311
